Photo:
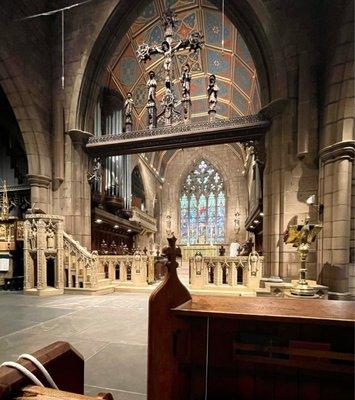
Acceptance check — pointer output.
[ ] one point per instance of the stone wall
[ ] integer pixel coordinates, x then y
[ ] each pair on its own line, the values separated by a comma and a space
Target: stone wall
336, 260
303, 52
228, 163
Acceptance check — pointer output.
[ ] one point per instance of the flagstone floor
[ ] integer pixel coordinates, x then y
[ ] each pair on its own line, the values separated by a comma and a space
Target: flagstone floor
110, 331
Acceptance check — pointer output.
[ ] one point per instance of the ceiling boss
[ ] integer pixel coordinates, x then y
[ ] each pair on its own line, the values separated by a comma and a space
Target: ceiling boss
168, 48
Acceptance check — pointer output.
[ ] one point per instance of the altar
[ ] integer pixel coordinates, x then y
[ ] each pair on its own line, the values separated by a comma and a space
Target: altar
206, 250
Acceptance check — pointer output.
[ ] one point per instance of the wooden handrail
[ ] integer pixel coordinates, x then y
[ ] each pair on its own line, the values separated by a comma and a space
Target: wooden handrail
61, 360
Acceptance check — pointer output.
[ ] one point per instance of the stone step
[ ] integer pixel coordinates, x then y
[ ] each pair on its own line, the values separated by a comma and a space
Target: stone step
104, 282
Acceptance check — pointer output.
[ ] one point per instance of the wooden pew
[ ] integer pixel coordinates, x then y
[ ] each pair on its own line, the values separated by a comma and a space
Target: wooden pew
247, 348
61, 360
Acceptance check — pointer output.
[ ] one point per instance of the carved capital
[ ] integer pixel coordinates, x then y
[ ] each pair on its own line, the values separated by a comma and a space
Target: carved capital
79, 137
339, 150
39, 180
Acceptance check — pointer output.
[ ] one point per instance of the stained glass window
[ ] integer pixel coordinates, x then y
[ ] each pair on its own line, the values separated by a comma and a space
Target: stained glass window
202, 206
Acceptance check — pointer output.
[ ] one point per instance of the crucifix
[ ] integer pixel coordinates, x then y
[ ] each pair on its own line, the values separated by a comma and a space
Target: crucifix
168, 48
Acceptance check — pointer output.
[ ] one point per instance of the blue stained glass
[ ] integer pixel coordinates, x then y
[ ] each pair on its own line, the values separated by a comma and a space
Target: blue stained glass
202, 206
193, 229
202, 219
220, 217
211, 217
184, 218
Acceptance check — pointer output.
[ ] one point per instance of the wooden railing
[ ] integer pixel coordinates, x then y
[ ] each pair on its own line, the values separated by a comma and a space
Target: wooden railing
241, 273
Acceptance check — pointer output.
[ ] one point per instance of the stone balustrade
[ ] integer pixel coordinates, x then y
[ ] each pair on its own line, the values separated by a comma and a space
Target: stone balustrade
80, 266
125, 271
241, 274
56, 263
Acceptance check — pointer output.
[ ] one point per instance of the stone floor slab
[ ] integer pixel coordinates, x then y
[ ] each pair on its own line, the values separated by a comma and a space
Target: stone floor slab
109, 331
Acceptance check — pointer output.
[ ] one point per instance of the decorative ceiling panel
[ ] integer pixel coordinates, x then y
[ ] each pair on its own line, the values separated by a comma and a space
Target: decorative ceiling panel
231, 63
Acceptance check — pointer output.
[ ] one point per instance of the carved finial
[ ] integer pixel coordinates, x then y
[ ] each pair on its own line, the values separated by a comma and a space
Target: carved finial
170, 251
5, 203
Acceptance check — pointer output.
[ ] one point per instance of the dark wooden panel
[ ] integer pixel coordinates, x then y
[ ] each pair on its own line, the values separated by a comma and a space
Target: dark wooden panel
171, 138
270, 309
62, 361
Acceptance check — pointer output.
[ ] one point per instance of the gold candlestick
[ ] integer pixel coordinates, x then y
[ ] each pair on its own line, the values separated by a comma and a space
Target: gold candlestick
301, 236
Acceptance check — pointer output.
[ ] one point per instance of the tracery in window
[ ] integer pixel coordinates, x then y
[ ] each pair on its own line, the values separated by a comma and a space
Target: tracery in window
202, 206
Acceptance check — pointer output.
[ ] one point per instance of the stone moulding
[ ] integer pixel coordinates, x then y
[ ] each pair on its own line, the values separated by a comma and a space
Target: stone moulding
338, 150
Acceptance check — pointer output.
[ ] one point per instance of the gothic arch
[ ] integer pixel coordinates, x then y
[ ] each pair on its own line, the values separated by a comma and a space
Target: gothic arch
211, 158
250, 16
22, 102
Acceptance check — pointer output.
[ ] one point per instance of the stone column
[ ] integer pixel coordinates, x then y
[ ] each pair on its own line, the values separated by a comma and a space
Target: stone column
60, 257
27, 259
40, 192
81, 213
272, 199
41, 257
335, 193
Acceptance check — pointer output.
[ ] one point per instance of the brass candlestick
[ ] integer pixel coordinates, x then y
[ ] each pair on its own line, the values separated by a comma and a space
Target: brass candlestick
301, 236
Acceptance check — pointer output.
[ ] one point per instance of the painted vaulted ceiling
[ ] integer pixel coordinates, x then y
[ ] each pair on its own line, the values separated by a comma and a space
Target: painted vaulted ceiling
232, 65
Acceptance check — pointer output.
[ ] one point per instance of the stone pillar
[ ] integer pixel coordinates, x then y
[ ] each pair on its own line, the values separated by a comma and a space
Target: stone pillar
70, 264
288, 182
60, 257
27, 259
41, 257
272, 199
81, 213
40, 192
335, 193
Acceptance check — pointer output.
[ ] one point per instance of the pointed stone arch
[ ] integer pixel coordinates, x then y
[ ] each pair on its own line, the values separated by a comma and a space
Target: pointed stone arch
251, 17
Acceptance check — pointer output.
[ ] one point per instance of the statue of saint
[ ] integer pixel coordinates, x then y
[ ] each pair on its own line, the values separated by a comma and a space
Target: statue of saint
128, 109
50, 239
32, 237
169, 22
152, 87
185, 79
94, 173
212, 91
168, 104
253, 262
